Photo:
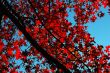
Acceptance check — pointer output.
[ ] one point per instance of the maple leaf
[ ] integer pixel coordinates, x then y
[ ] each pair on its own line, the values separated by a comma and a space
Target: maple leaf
38, 22
104, 3
107, 50
19, 33
62, 40
10, 51
93, 18
71, 49
81, 0
18, 52
46, 71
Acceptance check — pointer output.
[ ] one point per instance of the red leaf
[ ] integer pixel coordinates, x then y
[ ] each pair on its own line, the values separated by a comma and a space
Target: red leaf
18, 53
1, 45
81, 0
38, 22
107, 50
62, 40
104, 3
10, 51
93, 18
46, 71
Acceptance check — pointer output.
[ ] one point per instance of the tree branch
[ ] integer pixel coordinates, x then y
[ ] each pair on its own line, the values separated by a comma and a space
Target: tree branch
33, 42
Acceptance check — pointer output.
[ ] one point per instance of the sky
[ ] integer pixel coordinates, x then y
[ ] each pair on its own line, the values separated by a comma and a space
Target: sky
98, 29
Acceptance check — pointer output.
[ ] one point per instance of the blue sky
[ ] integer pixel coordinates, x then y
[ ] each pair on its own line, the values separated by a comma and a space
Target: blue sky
98, 29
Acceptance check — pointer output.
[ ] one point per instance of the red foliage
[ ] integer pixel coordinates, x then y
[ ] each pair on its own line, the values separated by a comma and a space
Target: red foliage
46, 22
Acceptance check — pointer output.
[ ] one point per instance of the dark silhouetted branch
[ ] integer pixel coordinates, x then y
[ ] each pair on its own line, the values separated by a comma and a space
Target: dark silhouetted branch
33, 42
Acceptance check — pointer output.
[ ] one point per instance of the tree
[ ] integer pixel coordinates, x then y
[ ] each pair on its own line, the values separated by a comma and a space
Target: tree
41, 26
